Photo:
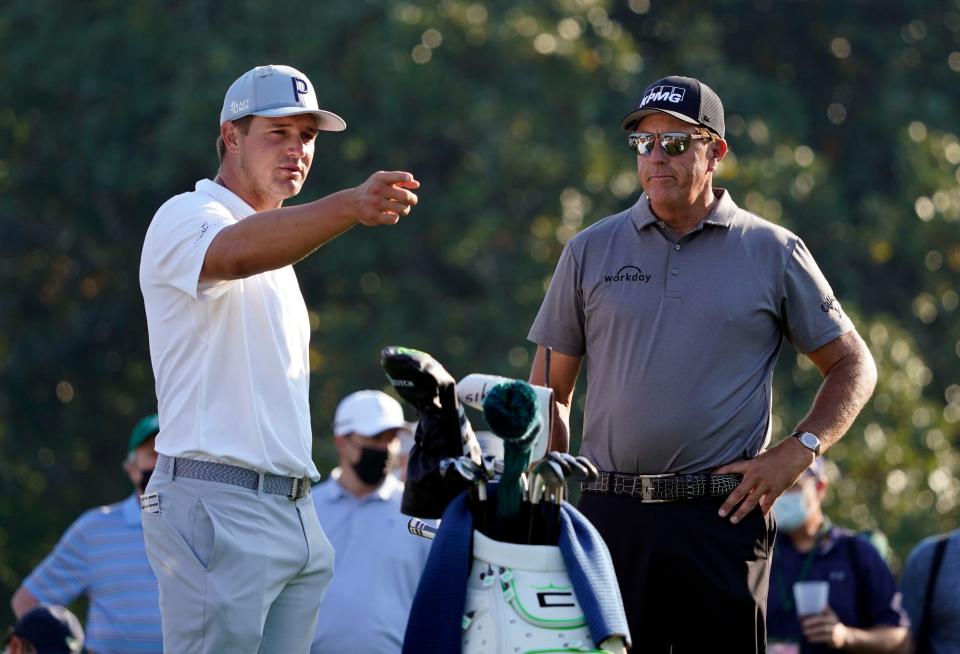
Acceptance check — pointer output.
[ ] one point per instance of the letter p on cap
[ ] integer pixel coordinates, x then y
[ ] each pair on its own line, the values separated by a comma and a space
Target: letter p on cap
299, 88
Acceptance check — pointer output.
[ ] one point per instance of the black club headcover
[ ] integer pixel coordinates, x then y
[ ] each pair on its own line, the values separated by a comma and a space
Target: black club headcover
443, 430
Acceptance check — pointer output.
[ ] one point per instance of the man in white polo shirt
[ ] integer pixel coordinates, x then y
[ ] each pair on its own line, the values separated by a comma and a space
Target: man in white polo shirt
230, 530
379, 562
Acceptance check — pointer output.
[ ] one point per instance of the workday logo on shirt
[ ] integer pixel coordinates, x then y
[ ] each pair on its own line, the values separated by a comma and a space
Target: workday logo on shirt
628, 274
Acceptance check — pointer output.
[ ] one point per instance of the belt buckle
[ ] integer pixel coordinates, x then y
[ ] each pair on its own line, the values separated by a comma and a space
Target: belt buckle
647, 488
299, 486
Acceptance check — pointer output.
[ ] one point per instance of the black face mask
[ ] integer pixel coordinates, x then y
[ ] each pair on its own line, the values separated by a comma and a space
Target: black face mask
144, 480
372, 466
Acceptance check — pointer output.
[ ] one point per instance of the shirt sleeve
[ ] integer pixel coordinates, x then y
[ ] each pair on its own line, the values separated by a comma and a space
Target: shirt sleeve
65, 574
812, 316
884, 606
915, 576
177, 244
560, 322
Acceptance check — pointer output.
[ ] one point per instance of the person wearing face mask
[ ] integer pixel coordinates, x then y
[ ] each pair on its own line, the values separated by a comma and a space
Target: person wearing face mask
378, 562
102, 557
863, 611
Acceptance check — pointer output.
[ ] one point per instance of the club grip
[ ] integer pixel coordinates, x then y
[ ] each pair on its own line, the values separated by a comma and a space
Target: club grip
418, 527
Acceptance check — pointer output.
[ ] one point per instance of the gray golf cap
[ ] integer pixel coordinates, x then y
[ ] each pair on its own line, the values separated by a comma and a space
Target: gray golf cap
274, 91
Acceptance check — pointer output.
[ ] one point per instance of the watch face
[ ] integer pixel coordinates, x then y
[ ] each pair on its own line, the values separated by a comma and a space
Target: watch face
810, 441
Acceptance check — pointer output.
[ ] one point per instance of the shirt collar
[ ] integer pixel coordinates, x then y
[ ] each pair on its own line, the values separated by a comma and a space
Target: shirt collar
130, 509
226, 197
831, 534
721, 215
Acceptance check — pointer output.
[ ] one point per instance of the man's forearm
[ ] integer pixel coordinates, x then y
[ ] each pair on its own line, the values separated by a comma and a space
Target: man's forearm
276, 238
882, 639
560, 434
850, 376
564, 370
273, 239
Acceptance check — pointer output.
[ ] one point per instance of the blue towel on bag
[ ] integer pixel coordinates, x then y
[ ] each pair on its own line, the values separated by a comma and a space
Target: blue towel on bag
434, 626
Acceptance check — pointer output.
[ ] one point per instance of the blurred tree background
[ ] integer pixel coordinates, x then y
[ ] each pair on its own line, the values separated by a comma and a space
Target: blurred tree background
842, 121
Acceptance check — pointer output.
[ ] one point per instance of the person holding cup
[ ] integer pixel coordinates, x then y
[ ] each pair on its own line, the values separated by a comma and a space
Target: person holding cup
830, 589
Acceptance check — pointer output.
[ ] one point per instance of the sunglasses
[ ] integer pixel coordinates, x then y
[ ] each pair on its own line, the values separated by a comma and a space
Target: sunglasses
673, 143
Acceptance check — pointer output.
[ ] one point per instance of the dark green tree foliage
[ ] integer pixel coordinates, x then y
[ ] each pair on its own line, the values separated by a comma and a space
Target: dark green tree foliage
842, 123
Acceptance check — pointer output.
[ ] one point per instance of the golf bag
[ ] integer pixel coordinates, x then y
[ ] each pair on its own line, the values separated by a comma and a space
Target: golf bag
521, 596
480, 595
485, 588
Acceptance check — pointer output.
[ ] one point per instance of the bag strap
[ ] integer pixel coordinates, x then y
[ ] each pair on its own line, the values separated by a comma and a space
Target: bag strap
923, 630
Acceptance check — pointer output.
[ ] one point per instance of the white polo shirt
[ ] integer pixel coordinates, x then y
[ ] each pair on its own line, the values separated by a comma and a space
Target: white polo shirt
230, 358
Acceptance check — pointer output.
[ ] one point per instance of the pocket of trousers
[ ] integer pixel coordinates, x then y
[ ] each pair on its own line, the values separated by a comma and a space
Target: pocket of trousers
765, 534
203, 536
182, 534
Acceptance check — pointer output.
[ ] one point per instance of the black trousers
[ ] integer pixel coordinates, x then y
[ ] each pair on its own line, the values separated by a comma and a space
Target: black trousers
691, 581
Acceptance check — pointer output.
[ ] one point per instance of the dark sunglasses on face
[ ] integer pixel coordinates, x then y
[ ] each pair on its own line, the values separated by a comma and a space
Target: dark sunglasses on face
673, 143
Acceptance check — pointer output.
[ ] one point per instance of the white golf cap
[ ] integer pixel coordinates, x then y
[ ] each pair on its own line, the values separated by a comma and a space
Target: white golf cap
276, 91
367, 413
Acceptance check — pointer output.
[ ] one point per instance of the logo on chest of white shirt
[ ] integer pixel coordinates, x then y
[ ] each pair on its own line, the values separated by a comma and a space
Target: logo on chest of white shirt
628, 274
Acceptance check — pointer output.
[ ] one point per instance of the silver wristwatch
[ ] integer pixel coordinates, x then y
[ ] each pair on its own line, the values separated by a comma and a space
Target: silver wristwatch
808, 440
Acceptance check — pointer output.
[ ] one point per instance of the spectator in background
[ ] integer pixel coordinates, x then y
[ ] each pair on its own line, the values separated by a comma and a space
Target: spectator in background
930, 580
46, 629
102, 556
378, 562
863, 611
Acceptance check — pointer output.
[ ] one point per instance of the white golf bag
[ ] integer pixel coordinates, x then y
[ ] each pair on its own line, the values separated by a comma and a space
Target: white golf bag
520, 600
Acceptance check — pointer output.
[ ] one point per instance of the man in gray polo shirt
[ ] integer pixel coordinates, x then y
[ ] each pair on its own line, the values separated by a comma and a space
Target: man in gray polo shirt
679, 305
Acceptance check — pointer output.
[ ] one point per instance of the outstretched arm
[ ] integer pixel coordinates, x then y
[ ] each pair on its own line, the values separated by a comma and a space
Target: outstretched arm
272, 239
849, 377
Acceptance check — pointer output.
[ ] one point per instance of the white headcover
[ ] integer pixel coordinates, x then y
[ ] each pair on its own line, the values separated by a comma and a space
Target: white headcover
474, 387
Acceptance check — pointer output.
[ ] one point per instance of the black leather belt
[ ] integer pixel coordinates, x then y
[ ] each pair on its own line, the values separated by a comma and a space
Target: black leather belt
662, 488
293, 487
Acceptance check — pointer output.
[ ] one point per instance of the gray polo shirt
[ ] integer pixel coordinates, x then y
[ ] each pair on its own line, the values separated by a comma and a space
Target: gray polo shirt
680, 338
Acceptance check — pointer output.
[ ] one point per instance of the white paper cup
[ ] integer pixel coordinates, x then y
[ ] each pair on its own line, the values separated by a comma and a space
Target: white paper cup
811, 596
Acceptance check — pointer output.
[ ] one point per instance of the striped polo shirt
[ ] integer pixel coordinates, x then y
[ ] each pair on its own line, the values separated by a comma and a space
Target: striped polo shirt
102, 556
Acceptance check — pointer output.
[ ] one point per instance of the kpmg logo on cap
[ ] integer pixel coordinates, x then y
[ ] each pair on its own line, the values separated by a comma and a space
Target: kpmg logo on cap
664, 93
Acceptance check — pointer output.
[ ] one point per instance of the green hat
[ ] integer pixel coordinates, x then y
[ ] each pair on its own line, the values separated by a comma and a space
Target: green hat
144, 429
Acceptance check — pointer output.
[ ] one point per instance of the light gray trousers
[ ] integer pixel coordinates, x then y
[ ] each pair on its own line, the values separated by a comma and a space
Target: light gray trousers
239, 571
